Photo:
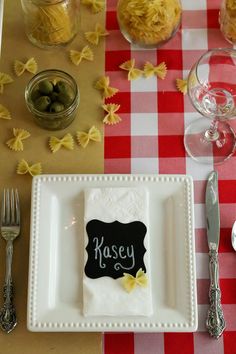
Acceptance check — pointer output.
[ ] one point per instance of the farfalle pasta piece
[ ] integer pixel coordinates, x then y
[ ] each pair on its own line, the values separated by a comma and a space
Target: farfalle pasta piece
84, 138
86, 53
4, 112
130, 282
133, 73
24, 168
94, 36
67, 142
16, 143
4, 79
160, 70
95, 5
182, 85
111, 117
103, 85
31, 66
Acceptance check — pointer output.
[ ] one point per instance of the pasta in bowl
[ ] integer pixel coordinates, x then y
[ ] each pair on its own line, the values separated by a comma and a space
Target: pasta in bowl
227, 19
149, 23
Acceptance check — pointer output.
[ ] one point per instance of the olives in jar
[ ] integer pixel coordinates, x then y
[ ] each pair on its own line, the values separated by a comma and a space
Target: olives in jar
52, 96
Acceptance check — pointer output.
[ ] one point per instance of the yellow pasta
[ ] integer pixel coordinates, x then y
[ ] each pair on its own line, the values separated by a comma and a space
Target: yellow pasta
95, 5
149, 22
231, 4
182, 85
111, 117
133, 73
76, 57
51, 24
16, 143
228, 20
24, 168
103, 85
4, 79
31, 66
67, 142
84, 138
160, 70
94, 36
4, 112
130, 282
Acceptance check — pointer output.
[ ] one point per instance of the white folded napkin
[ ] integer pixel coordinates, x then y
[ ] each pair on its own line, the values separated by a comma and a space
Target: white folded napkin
116, 242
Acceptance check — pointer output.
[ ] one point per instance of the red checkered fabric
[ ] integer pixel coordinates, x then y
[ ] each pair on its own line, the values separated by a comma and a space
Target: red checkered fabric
150, 140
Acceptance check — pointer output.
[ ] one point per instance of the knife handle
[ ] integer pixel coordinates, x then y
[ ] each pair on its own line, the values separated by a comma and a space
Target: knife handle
215, 322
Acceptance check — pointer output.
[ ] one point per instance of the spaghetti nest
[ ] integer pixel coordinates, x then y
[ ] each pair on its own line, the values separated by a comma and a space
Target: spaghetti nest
50, 23
149, 22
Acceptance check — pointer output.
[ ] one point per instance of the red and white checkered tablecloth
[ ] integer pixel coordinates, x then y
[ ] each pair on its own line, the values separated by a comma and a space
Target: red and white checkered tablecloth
150, 140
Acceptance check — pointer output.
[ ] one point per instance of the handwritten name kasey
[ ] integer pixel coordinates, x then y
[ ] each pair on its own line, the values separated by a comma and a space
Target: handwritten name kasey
114, 248
103, 252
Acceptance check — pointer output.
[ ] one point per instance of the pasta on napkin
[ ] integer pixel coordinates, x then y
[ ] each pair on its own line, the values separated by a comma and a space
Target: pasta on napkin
117, 279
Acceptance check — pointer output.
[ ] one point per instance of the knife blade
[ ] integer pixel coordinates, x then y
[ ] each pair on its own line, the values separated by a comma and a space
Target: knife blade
215, 322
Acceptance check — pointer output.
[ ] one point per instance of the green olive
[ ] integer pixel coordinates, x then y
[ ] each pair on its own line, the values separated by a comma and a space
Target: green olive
45, 87
42, 103
62, 86
56, 107
54, 96
65, 98
35, 94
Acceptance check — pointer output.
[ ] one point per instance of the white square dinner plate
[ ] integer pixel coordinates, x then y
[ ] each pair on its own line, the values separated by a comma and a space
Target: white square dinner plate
56, 262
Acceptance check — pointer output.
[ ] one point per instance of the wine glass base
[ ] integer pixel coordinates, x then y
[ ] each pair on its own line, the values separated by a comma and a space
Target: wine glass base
204, 151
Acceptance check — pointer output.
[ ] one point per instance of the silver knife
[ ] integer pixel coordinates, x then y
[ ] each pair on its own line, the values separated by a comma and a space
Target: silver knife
215, 322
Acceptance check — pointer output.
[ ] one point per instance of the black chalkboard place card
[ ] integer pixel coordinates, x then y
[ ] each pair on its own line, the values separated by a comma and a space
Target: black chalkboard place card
115, 248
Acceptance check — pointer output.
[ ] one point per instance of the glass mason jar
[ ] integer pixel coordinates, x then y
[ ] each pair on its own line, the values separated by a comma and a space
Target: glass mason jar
52, 96
51, 23
227, 20
149, 23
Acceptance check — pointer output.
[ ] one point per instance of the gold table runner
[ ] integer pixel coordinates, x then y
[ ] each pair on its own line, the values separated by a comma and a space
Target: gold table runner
15, 45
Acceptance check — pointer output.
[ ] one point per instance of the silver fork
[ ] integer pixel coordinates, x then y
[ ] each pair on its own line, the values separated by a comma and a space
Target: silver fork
10, 229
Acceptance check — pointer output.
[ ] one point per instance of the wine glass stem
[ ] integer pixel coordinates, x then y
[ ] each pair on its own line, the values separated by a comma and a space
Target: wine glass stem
212, 133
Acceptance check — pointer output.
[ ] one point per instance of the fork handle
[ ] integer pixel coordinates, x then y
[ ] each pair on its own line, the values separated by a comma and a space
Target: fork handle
8, 313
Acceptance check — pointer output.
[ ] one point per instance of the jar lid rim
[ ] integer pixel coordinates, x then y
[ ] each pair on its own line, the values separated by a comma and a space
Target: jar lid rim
46, 2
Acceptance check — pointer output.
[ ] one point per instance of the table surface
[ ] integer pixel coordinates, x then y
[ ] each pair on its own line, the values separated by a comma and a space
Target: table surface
15, 45
149, 139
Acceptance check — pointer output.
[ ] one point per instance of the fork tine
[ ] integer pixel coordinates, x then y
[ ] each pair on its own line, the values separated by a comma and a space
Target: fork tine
17, 205
3, 209
7, 207
12, 209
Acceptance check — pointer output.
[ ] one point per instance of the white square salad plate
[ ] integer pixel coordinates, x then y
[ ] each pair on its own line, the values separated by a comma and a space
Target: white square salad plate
56, 263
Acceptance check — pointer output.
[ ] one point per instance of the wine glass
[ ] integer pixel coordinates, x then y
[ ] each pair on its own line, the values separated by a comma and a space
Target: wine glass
212, 91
